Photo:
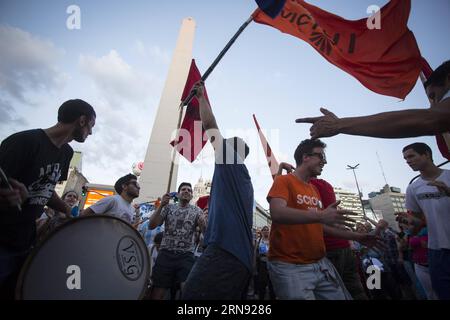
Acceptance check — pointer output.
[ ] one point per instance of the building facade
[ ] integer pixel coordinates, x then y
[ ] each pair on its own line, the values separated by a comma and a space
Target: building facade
75, 179
389, 201
350, 201
201, 188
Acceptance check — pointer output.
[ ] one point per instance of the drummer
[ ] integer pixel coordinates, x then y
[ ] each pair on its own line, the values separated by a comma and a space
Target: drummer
34, 162
119, 205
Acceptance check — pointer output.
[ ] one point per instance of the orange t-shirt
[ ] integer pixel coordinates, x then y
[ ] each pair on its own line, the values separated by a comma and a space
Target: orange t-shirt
296, 243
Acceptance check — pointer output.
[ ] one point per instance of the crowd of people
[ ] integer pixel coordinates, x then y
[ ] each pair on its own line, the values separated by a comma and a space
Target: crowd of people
312, 250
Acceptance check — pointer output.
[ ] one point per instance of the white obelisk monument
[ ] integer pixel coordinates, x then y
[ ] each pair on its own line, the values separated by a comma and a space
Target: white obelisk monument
155, 174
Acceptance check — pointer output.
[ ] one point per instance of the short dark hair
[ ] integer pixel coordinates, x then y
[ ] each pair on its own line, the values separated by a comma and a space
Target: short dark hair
71, 110
420, 148
184, 184
306, 147
439, 75
123, 180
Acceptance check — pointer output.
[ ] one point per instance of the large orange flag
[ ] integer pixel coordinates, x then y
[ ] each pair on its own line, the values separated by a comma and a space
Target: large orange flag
386, 60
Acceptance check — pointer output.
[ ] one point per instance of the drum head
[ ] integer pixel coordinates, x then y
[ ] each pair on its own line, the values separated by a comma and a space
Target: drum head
93, 257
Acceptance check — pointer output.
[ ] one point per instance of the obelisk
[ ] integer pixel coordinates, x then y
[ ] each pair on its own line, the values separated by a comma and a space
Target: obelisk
155, 174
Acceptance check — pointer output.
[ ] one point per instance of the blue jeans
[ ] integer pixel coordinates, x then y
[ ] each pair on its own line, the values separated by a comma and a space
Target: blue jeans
439, 267
314, 281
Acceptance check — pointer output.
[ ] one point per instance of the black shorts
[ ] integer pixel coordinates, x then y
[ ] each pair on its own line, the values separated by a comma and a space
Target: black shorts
171, 268
217, 275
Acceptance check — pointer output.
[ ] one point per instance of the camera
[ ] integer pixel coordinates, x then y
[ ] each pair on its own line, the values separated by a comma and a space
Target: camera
173, 195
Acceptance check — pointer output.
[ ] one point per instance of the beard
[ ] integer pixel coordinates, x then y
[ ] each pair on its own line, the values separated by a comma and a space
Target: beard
78, 135
133, 194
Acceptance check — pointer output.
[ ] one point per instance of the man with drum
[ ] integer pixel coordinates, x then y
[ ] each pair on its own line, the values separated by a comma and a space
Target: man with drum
33, 162
119, 205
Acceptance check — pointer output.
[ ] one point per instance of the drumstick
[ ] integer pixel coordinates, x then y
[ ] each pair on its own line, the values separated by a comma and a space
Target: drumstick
8, 185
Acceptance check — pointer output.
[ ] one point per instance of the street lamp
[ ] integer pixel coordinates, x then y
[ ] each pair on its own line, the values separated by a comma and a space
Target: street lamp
357, 186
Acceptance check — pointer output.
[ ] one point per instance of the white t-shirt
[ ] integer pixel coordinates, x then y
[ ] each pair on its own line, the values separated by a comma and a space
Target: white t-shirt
421, 197
114, 206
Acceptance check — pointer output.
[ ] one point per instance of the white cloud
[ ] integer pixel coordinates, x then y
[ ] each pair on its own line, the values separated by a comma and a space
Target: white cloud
28, 64
125, 99
117, 81
117, 142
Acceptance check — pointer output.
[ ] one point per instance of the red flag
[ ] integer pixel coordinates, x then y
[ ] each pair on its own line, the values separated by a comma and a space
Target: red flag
202, 202
386, 60
190, 136
443, 139
271, 160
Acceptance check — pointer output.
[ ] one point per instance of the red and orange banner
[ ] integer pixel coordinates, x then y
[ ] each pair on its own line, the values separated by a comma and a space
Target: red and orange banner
385, 60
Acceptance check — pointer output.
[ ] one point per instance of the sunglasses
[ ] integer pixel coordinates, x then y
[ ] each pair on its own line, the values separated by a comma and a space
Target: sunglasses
135, 183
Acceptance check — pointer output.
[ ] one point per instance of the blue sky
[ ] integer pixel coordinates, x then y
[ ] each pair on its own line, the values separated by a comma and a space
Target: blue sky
119, 59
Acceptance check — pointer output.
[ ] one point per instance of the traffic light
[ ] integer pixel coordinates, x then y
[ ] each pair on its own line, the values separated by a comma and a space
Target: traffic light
83, 191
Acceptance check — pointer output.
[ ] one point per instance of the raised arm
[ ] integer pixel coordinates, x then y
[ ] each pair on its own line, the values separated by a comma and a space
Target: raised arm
394, 124
285, 166
206, 115
156, 218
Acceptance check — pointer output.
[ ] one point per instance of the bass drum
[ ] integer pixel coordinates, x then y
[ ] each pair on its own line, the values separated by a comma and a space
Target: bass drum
95, 257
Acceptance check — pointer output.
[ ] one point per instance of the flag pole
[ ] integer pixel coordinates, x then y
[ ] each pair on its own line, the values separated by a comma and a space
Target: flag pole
270, 157
174, 154
203, 78
219, 57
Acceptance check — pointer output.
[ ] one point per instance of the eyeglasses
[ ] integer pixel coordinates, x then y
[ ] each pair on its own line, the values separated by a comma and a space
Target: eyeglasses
320, 155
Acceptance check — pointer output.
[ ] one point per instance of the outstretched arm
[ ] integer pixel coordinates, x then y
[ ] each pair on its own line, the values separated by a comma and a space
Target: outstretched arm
363, 238
281, 213
394, 124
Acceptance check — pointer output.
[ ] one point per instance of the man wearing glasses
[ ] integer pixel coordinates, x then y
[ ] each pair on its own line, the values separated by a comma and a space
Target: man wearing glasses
119, 205
297, 265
